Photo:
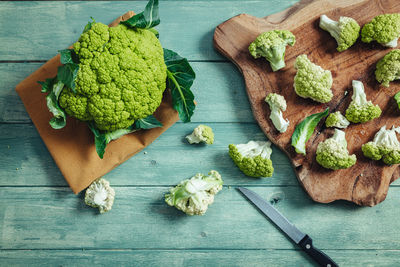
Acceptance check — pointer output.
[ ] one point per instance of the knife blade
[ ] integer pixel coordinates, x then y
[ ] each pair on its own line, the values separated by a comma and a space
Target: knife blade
301, 239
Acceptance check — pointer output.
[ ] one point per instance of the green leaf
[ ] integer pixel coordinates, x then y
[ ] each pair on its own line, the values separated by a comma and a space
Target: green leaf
60, 119
305, 129
397, 98
67, 74
153, 30
89, 25
147, 123
68, 56
147, 19
47, 85
180, 77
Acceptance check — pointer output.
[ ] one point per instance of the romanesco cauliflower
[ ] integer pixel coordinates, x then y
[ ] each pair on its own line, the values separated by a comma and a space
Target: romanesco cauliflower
388, 68
277, 104
385, 29
201, 133
337, 120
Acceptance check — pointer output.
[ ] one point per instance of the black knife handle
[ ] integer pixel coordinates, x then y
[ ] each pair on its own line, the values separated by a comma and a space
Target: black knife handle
316, 254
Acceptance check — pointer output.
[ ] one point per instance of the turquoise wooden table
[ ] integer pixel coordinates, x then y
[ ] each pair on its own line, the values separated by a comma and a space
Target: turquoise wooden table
43, 223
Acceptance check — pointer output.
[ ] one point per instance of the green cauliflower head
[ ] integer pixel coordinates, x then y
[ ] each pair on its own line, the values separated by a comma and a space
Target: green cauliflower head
388, 68
360, 110
333, 154
193, 195
253, 158
121, 77
312, 81
272, 46
345, 31
385, 146
201, 134
337, 120
385, 29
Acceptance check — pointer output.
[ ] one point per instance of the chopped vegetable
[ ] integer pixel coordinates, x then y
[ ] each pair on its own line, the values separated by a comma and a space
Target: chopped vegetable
337, 120
201, 134
397, 98
253, 158
385, 29
100, 195
388, 68
277, 104
194, 195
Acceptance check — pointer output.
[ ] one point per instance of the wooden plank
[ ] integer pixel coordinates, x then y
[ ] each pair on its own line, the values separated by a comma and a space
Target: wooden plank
233, 258
54, 218
26, 161
218, 88
36, 39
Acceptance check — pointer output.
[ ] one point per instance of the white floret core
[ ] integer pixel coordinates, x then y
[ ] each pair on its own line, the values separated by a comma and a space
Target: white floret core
277, 105
255, 148
340, 137
359, 97
387, 138
392, 43
196, 137
331, 26
100, 195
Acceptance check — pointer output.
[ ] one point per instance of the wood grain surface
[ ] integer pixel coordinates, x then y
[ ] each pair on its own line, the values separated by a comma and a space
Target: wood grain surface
367, 182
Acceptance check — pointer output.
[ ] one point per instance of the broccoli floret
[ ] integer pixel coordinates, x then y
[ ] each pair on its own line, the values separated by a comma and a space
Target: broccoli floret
272, 46
345, 31
100, 195
192, 196
388, 68
337, 120
385, 146
333, 154
277, 104
312, 81
253, 158
360, 110
385, 29
201, 133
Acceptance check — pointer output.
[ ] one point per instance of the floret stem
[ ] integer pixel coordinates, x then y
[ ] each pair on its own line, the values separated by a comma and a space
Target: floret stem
340, 137
359, 95
331, 26
392, 43
277, 65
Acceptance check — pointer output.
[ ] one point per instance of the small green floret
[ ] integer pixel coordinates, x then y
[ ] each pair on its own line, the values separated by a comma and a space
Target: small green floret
272, 46
333, 154
337, 120
201, 133
388, 68
360, 110
277, 104
345, 31
253, 158
194, 195
385, 146
385, 29
312, 81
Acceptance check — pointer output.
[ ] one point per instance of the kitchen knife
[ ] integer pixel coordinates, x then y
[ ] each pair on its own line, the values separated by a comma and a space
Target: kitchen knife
301, 239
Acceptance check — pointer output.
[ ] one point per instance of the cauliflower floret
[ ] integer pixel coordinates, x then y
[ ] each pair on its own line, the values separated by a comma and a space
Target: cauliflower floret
192, 196
388, 68
385, 29
272, 46
385, 146
277, 104
100, 195
312, 81
201, 133
360, 110
337, 120
253, 158
345, 31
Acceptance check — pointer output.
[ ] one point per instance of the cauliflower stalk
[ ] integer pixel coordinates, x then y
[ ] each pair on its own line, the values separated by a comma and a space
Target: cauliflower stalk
385, 29
385, 146
388, 68
272, 46
253, 158
201, 134
333, 154
360, 110
277, 104
312, 81
100, 195
194, 195
345, 31
337, 120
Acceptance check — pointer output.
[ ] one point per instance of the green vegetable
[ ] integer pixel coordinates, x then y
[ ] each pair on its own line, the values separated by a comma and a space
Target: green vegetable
253, 158
388, 68
337, 120
53, 88
272, 46
333, 154
397, 98
100, 195
312, 81
194, 195
305, 129
147, 19
385, 29
345, 31
277, 104
385, 146
360, 110
201, 133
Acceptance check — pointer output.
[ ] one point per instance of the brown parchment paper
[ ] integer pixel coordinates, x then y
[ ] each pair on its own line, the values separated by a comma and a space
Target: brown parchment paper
73, 146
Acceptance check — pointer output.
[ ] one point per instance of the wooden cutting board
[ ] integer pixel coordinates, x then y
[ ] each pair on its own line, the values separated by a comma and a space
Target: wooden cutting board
367, 182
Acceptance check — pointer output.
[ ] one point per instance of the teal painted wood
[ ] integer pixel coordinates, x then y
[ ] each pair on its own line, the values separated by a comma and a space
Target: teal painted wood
186, 26
218, 88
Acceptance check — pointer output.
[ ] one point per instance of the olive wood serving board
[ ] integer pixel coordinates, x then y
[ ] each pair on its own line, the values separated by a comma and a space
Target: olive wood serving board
367, 182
